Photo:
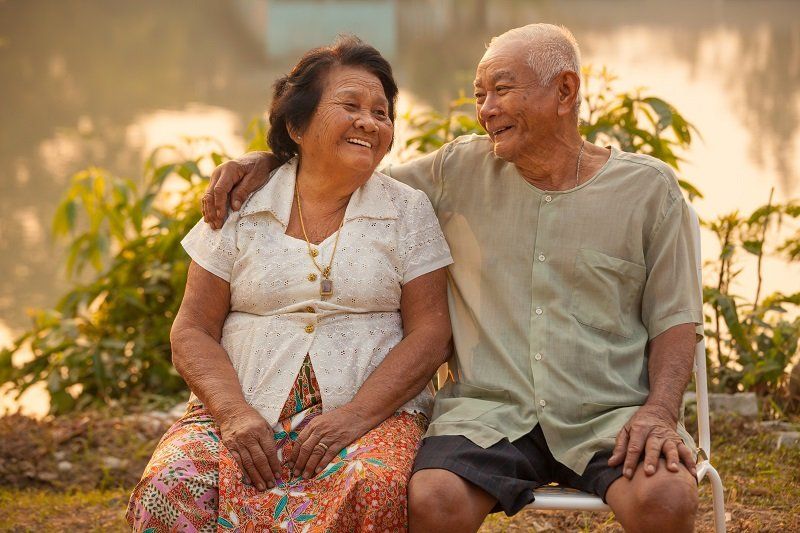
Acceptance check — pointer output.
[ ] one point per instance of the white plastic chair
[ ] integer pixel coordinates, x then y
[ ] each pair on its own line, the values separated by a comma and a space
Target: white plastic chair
558, 498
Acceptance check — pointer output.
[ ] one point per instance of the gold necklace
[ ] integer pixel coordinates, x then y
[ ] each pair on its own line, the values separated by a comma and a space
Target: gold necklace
325, 284
578, 170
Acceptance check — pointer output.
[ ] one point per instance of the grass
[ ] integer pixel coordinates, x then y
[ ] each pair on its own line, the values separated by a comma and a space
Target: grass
762, 484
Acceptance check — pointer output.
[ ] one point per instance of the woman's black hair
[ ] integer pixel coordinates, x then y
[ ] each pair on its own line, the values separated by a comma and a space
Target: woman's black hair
296, 96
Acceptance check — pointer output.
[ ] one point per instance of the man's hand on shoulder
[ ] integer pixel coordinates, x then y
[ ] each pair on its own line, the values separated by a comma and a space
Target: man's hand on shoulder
652, 431
235, 180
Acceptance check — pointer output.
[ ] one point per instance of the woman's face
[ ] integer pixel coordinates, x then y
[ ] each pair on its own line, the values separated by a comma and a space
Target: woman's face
351, 128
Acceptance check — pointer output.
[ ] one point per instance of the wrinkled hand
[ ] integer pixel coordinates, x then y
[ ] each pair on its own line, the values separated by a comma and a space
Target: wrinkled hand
652, 431
251, 442
236, 179
335, 429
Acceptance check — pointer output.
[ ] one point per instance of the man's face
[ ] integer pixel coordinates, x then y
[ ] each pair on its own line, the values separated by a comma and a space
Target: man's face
510, 105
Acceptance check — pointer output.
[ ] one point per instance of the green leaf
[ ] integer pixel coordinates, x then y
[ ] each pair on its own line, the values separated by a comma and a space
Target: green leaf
223, 522
332, 470
754, 247
281, 506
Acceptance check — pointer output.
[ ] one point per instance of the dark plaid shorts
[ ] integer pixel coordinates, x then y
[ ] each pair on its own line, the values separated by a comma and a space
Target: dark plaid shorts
510, 471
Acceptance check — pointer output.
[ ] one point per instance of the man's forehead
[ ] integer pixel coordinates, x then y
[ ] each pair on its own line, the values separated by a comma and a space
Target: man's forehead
493, 73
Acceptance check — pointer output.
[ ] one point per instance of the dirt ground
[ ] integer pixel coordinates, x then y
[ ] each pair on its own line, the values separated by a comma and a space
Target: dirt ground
75, 473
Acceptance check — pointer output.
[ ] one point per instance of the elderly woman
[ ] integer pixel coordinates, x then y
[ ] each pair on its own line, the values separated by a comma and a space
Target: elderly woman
311, 323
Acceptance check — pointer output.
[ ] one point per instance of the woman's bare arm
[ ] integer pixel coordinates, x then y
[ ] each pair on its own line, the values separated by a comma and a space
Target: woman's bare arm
203, 363
405, 371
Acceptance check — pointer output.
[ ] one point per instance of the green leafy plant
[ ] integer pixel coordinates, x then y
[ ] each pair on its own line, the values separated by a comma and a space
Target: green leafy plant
108, 339
751, 342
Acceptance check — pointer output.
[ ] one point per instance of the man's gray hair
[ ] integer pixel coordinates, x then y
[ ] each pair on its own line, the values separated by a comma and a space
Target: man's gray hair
551, 50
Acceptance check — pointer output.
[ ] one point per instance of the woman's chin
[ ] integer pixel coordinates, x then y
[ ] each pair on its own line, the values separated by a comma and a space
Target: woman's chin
361, 163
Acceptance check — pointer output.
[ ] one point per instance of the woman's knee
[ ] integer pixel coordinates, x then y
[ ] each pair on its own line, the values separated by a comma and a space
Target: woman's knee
170, 494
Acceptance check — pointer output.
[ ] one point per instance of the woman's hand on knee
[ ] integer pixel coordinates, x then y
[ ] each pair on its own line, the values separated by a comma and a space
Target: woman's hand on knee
251, 442
323, 438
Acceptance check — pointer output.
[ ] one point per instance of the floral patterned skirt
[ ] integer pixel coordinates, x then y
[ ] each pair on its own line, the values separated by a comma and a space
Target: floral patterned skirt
192, 483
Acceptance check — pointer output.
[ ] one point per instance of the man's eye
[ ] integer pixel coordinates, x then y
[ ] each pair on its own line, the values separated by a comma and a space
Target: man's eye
501, 89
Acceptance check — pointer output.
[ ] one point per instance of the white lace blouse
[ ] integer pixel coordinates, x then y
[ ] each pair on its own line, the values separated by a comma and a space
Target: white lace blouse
390, 236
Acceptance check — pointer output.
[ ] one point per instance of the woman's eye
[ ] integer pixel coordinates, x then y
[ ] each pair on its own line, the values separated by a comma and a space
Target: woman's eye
350, 105
501, 89
380, 112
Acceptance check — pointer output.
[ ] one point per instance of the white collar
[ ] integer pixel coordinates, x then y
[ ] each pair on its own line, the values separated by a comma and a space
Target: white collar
371, 200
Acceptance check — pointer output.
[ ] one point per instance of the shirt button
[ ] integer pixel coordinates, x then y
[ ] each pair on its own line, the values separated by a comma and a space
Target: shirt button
309, 309
312, 277
548, 198
539, 311
542, 403
310, 328
538, 357
541, 257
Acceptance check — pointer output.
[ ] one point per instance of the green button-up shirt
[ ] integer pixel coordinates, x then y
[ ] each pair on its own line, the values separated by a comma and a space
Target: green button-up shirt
554, 295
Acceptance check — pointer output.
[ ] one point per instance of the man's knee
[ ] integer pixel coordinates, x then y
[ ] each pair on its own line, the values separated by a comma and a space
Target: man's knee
437, 497
433, 491
667, 502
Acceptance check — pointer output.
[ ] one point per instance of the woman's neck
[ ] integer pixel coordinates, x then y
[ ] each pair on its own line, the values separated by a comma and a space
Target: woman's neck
327, 190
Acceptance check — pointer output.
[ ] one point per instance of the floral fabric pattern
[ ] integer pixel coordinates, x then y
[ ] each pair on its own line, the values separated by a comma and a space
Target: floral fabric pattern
363, 488
193, 484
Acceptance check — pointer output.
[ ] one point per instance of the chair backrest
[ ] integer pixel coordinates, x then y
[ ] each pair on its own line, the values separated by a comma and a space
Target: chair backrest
700, 376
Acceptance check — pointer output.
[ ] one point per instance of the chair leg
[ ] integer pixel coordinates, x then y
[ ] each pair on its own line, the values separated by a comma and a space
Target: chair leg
717, 497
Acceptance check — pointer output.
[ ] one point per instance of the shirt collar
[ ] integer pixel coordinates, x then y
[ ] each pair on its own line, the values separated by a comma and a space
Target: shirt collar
371, 200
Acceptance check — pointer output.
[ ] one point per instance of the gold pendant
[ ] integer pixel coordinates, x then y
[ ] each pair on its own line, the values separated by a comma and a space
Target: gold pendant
325, 288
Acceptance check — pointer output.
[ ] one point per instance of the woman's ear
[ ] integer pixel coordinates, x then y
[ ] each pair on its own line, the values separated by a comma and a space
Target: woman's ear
294, 134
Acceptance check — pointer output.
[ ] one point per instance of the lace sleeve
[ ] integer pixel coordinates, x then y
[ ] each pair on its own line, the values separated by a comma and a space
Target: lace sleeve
422, 248
214, 250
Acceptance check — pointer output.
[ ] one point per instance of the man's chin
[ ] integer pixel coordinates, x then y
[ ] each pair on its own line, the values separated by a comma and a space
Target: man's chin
502, 151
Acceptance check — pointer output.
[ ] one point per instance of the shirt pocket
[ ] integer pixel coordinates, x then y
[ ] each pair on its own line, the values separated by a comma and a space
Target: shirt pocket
605, 291
461, 402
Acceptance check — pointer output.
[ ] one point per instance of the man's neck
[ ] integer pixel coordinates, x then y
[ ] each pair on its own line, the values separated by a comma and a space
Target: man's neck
553, 165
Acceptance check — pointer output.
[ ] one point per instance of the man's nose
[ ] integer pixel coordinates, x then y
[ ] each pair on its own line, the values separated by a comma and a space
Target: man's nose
488, 108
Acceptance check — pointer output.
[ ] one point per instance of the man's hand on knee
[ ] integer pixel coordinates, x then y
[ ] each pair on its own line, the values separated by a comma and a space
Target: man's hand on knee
651, 431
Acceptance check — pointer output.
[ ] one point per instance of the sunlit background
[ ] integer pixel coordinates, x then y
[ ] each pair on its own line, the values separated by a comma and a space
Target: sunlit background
102, 82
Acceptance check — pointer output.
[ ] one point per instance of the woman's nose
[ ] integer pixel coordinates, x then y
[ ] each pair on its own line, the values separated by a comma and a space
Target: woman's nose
366, 122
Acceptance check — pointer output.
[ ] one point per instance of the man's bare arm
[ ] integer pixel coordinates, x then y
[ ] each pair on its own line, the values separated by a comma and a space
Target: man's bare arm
652, 430
236, 179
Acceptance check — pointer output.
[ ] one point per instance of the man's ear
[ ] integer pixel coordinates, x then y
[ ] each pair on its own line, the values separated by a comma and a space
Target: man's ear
568, 84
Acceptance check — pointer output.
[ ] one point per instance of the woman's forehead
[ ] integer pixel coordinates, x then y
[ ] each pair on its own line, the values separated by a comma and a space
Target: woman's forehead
353, 81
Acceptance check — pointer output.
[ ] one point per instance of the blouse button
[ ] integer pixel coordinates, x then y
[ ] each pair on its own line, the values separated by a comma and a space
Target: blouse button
309, 309
310, 328
548, 198
312, 277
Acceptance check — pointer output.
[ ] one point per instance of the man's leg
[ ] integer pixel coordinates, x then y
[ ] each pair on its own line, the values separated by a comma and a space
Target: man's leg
441, 501
664, 501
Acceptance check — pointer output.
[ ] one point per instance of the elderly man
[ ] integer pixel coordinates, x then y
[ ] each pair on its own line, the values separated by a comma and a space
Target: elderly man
574, 303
